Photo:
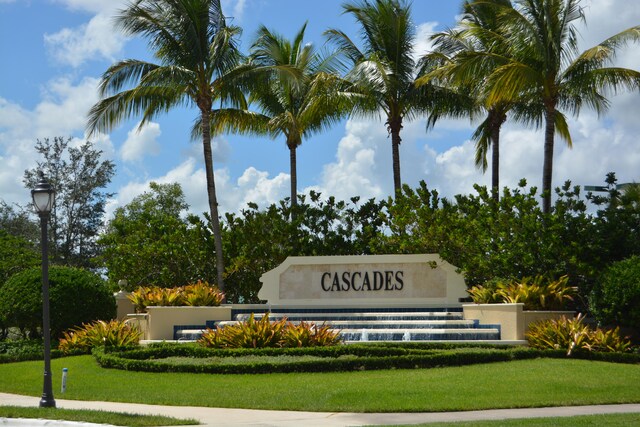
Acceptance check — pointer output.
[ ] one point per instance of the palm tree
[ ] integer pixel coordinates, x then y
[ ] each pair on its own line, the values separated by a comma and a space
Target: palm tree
384, 72
296, 90
542, 65
454, 60
197, 52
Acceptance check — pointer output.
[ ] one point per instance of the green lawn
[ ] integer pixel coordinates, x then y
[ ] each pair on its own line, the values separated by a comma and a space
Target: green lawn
98, 417
612, 420
526, 383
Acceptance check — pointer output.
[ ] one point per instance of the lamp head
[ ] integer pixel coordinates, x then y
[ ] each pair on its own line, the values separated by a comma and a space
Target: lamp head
43, 195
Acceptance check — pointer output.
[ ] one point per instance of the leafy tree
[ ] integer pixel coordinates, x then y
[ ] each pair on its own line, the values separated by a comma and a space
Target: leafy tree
384, 71
16, 254
197, 52
296, 90
150, 241
616, 299
16, 220
258, 240
542, 65
79, 177
617, 221
511, 238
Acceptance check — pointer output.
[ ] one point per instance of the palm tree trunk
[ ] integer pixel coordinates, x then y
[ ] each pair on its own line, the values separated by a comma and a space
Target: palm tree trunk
211, 192
497, 120
547, 168
495, 163
394, 127
294, 176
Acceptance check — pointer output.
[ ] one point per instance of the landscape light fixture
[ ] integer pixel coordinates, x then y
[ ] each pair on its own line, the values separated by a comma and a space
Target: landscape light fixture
43, 198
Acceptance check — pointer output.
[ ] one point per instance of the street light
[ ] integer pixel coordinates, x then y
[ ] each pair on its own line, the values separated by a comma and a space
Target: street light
43, 198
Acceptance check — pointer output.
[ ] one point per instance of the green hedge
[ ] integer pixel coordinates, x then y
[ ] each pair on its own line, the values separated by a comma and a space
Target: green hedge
76, 297
340, 358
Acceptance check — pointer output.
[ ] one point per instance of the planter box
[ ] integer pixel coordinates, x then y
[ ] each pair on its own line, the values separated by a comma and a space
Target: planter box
513, 320
163, 319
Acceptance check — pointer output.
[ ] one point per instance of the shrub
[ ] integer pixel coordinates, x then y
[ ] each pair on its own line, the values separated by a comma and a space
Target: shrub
616, 301
197, 294
306, 334
114, 334
535, 293
573, 335
202, 294
250, 333
370, 356
264, 334
76, 296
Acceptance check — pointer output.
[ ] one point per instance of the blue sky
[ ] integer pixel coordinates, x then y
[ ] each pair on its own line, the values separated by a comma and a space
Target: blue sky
54, 51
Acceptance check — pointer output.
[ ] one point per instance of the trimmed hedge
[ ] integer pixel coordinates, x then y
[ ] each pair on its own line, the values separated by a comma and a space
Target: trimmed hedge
340, 358
24, 350
76, 296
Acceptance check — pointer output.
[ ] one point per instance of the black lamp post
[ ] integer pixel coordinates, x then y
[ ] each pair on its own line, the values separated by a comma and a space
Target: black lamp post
43, 197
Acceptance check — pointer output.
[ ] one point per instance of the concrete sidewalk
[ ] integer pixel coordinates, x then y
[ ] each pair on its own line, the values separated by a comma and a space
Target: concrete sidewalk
222, 417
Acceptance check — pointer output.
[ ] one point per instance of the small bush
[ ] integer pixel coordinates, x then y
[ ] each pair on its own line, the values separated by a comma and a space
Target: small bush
114, 334
616, 300
264, 333
75, 296
202, 294
307, 334
197, 294
572, 335
250, 333
535, 293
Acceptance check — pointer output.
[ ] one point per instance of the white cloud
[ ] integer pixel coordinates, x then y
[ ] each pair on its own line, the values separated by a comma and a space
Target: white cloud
359, 166
94, 6
62, 112
423, 43
252, 186
234, 9
96, 39
141, 142
64, 107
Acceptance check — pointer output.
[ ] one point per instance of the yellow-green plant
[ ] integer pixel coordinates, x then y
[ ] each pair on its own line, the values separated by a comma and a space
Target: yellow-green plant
484, 295
535, 293
608, 340
573, 335
250, 333
306, 334
202, 294
196, 294
262, 333
100, 333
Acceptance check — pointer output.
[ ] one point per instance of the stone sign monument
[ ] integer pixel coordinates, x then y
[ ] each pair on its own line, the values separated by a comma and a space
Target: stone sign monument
364, 280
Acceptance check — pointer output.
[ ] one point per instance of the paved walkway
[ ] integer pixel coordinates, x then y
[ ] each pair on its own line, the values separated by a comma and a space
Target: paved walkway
222, 417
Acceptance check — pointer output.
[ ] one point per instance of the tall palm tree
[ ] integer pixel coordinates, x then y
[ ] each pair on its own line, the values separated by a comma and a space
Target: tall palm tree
296, 90
384, 71
454, 59
196, 53
543, 65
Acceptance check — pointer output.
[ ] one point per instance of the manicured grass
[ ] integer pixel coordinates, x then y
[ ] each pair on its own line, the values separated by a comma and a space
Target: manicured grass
526, 383
611, 420
97, 417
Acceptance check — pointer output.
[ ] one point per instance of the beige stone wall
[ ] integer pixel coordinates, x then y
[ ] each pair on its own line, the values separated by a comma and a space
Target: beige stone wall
124, 306
513, 320
161, 320
508, 316
380, 280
